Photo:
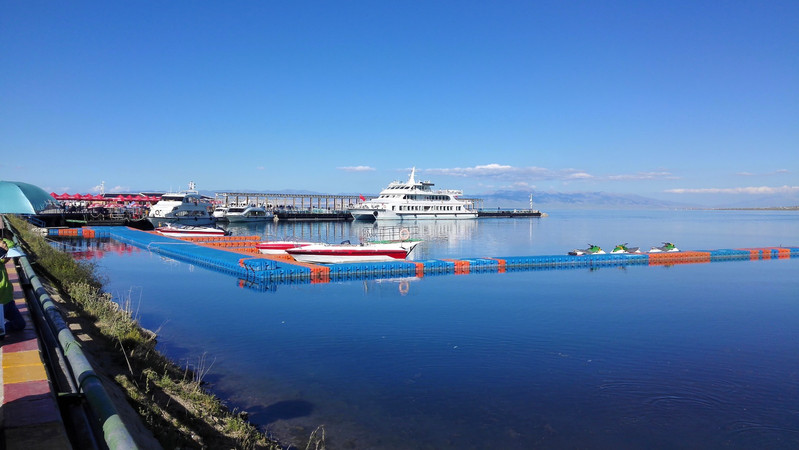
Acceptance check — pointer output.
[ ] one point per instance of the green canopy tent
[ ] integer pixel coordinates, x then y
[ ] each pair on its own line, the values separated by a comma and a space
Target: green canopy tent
17, 197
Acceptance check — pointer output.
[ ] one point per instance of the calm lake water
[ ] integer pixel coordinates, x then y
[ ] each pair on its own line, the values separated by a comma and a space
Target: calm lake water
687, 356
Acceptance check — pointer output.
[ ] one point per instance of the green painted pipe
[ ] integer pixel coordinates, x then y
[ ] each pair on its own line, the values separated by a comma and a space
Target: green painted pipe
116, 435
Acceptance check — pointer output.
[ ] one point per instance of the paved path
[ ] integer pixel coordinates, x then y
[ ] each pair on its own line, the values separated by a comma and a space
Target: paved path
29, 416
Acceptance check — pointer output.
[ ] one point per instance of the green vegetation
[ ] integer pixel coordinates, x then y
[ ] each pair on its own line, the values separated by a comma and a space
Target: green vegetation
171, 400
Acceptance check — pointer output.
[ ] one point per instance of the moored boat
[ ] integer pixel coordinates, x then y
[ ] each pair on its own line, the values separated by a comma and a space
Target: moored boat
250, 213
185, 208
174, 230
413, 200
347, 252
220, 212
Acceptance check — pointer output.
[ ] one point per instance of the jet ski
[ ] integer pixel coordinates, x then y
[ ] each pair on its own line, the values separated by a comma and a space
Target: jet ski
591, 250
666, 247
622, 248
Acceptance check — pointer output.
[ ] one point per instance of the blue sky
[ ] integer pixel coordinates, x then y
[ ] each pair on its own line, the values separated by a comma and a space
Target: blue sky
671, 100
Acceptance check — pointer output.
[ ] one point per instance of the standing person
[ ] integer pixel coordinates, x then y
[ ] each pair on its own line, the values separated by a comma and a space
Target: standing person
9, 310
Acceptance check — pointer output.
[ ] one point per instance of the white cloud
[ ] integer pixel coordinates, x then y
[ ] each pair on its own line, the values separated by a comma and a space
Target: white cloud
765, 174
643, 176
499, 171
356, 168
756, 190
527, 174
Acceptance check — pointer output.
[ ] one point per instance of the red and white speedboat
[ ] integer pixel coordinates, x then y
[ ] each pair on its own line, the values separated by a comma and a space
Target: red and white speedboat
346, 252
189, 231
279, 247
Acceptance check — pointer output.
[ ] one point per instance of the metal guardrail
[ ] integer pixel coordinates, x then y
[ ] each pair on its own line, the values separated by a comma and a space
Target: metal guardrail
83, 377
35, 221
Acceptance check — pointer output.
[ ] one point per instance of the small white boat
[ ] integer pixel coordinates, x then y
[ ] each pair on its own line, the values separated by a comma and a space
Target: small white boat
190, 231
280, 247
220, 212
666, 247
347, 252
251, 213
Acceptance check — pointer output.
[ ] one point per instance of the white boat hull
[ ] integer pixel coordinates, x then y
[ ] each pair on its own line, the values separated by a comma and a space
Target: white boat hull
189, 231
242, 219
348, 253
192, 221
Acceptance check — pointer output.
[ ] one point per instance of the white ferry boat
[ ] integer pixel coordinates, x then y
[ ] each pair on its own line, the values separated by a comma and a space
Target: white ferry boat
184, 208
414, 200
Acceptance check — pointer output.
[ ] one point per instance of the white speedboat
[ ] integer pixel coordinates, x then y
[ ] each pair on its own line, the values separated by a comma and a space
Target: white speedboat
280, 247
347, 252
189, 231
220, 213
413, 200
249, 213
184, 208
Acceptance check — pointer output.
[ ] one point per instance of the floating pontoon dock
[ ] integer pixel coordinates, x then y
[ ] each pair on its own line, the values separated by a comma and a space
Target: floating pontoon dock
237, 255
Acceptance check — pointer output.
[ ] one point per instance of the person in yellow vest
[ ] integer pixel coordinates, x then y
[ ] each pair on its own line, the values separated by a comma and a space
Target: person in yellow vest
9, 311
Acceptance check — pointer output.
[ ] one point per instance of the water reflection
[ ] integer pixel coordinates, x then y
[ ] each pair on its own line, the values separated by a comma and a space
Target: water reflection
89, 249
426, 230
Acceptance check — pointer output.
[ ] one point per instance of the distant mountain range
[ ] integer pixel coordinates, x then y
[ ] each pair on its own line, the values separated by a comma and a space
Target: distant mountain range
588, 200
575, 200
